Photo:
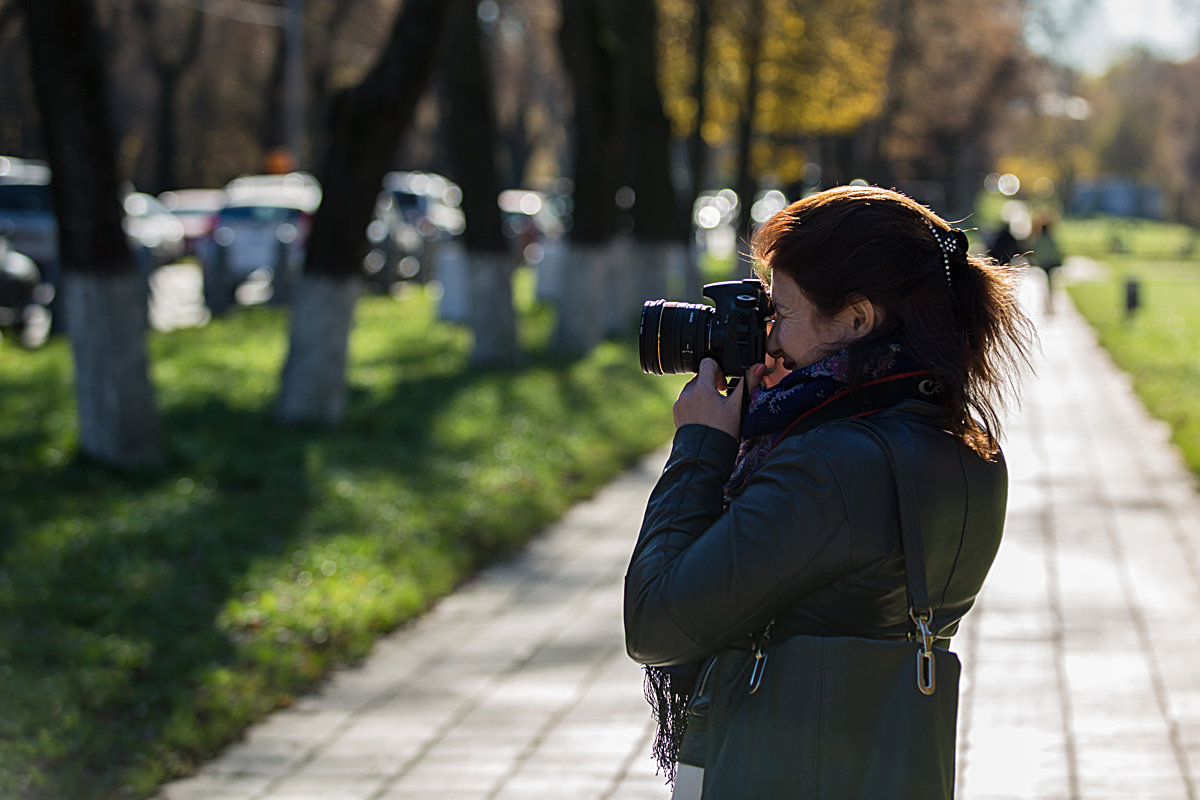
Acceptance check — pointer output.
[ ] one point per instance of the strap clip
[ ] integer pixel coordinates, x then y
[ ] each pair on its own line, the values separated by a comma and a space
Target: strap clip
926, 667
760, 657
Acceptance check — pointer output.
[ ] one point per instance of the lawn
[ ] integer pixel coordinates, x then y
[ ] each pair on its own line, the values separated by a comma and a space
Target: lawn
1159, 345
146, 619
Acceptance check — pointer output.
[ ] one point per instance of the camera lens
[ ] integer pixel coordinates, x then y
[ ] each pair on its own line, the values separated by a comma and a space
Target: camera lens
673, 337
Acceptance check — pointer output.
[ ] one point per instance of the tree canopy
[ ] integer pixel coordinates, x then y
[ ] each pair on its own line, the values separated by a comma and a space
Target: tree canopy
821, 69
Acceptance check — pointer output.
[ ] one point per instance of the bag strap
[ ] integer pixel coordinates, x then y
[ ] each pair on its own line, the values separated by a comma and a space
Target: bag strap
913, 549
910, 525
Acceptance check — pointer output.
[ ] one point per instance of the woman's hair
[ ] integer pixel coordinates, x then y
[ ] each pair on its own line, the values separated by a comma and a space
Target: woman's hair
952, 313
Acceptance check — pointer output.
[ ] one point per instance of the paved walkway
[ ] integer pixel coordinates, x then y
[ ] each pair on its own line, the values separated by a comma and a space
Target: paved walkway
1082, 658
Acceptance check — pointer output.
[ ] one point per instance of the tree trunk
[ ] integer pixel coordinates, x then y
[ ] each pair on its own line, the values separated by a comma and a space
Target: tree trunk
118, 421
587, 41
366, 125
315, 372
697, 150
493, 318
661, 226
647, 265
104, 296
586, 288
319, 63
697, 147
473, 142
273, 131
170, 61
655, 264
164, 128
747, 180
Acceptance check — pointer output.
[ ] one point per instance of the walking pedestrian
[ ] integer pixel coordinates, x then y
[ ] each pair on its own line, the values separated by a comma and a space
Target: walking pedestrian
1047, 255
1004, 246
769, 592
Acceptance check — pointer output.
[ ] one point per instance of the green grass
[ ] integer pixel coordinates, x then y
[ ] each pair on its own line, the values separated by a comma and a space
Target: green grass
1159, 346
1146, 241
145, 620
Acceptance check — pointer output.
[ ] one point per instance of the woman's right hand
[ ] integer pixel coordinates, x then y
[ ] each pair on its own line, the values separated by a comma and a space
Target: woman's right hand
705, 401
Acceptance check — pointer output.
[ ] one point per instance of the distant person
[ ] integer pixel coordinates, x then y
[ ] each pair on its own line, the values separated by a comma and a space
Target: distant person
1004, 247
785, 517
1047, 256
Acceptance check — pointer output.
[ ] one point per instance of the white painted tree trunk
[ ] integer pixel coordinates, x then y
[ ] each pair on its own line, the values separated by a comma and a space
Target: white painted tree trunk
692, 285
106, 321
585, 290
646, 271
493, 318
657, 269
548, 288
659, 264
617, 313
451, 271
313, 387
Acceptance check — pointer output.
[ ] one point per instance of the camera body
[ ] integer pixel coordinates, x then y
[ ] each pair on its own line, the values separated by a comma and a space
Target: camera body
675, 337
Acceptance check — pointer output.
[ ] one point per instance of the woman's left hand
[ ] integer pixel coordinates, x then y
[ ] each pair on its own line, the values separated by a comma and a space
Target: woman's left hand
703, 400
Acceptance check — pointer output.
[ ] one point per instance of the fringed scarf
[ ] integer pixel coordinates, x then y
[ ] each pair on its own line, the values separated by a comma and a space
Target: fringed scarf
804, 399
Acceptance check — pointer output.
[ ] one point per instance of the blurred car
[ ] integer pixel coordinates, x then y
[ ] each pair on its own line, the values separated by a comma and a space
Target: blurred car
24, 296
28, 224
427, 200
157, 231
28, 221
258, 237
27, 218
414, 211
530, 220
196, 210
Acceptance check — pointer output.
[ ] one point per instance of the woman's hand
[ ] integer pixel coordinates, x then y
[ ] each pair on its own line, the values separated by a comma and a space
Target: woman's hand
703, 400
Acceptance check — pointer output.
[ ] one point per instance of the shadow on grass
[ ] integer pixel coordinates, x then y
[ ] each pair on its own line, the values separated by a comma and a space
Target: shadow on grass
111, 590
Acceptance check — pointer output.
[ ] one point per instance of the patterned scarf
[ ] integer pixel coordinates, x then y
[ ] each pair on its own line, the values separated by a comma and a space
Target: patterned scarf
773, 410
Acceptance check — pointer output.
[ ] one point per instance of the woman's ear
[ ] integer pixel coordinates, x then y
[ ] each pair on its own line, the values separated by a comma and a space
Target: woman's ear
859, 318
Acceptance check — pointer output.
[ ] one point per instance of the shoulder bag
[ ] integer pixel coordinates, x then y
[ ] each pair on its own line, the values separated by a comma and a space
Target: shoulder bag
834, 718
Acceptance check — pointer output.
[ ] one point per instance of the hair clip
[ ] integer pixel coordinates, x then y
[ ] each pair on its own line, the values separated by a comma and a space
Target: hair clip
952, 241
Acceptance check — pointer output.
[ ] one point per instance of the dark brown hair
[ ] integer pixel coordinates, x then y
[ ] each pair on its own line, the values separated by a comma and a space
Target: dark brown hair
965, 327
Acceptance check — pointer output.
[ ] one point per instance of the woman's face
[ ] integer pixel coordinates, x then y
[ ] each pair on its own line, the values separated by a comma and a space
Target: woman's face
799, 335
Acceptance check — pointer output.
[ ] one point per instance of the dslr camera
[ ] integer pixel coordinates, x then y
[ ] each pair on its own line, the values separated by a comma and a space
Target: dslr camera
675, 337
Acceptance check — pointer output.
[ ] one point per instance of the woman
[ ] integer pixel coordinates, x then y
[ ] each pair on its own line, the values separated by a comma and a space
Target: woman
787, 515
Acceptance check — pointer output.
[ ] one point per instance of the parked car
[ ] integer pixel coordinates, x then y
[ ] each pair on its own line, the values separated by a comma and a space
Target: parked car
414, 211
258, 237
197, 212
427, 200
27, 218
24, 296
530, 220
157, 231
28, 221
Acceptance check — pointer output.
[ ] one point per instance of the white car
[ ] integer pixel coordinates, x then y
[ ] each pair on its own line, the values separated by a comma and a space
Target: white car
27, 212
197, 211
413, 213
258, 237
155, 229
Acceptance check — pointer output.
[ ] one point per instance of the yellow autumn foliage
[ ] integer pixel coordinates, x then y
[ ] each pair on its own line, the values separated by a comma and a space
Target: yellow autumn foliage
821, 68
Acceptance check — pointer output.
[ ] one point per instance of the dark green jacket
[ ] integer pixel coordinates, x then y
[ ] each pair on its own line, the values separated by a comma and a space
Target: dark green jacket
812, 542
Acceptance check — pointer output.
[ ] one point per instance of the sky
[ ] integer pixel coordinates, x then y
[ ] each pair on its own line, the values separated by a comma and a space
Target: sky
1170, 28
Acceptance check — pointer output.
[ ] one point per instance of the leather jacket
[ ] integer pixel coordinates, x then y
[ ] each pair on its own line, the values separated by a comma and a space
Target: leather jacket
813, 541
